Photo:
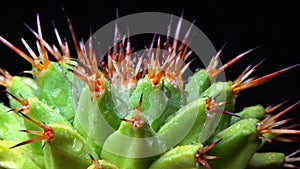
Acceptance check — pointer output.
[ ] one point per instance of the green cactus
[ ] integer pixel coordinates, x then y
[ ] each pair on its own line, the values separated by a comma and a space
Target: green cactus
133, 113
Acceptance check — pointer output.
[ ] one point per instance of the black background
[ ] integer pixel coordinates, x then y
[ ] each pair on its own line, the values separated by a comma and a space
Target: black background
242, 25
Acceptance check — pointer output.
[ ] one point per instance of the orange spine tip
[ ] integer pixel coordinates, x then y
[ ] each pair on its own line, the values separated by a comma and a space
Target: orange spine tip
231, 62
285, 111
25, 104
261, 80
201, 158
270, 122
272, 108
22, 54
95, 162
5, 78
136, 121
47, 135
44, 57
75, 41
211, 107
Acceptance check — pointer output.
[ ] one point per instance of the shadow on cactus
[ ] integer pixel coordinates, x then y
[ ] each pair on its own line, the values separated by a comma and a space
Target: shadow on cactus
135, 111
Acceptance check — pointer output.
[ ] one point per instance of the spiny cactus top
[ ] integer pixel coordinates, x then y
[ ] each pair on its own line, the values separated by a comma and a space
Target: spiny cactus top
132, 111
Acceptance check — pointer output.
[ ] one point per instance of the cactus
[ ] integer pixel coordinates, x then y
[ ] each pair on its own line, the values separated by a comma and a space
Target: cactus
134, 112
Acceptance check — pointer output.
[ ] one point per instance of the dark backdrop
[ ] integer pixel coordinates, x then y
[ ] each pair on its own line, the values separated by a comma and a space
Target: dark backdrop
242, 26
